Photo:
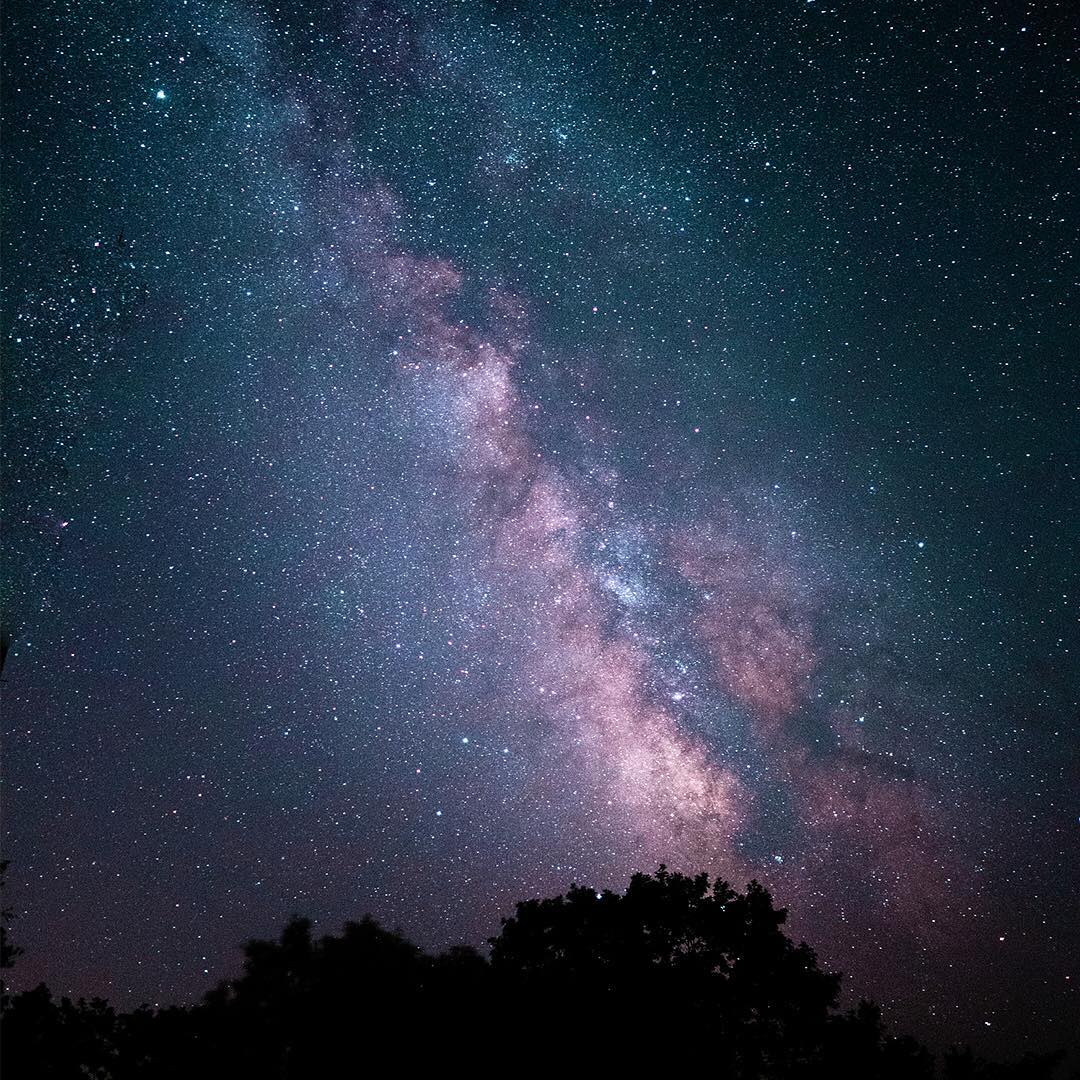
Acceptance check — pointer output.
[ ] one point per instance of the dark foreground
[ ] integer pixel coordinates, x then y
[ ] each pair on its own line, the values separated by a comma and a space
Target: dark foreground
674, 970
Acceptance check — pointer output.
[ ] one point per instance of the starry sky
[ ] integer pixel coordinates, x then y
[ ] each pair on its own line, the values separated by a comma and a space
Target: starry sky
456, 449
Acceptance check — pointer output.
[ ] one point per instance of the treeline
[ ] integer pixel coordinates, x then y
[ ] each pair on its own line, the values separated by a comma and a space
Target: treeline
675, 969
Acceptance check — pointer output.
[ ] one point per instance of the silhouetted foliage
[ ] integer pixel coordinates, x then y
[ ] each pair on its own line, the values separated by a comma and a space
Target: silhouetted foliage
8, 951
708, 972
676, 950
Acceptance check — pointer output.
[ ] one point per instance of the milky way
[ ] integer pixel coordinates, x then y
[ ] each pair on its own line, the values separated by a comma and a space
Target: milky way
458, 450
615, 751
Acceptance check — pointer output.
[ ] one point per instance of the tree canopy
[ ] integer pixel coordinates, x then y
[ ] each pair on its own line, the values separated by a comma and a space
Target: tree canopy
676, 966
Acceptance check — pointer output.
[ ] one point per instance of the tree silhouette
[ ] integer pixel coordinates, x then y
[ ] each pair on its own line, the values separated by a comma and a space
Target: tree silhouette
8, 951
706, 971
697, 959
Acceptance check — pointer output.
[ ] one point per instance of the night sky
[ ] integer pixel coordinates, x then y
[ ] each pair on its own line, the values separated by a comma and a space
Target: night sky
457, 449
